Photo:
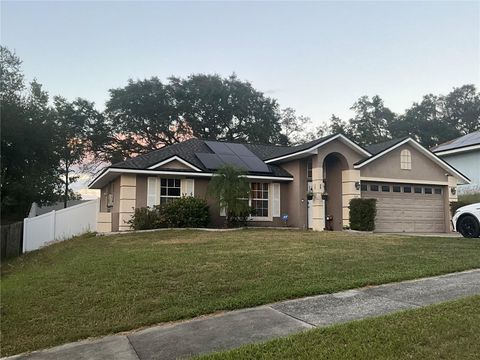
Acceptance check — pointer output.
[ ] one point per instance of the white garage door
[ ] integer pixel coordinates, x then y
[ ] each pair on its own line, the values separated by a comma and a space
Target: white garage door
407, 208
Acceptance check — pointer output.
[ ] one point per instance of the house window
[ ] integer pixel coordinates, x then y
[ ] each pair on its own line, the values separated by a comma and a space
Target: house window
428, 190
385, 188
407, 189
259, 199
438, 191
405, 160
396, 188
363, 187
417, 190
169, 190
373, 187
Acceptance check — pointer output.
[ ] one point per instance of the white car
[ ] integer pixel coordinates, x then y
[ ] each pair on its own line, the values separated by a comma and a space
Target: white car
466, 220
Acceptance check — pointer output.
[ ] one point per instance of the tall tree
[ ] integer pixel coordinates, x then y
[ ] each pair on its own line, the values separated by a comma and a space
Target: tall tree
148, 114
294, 128
76, 130
461, 109
143, 116
371, 121
217, 108
338, 126
424, 122
28, 162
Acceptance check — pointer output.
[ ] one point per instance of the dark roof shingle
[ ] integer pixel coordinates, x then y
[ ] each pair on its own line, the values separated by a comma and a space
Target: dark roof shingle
375, 149
187, 151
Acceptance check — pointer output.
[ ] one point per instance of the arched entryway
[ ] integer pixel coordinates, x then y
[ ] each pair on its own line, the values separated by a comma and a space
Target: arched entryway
333, 165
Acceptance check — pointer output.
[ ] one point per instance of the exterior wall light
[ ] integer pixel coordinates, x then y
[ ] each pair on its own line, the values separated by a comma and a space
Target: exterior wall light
453, 190
357, 185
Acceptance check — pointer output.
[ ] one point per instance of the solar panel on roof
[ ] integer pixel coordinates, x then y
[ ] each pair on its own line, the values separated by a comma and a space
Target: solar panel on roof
240, 149
210, 161
254, 164
466, 140
219, 148
233, 160
234, 154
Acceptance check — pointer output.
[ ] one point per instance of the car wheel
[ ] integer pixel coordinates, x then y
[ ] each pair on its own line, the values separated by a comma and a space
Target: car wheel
468, 226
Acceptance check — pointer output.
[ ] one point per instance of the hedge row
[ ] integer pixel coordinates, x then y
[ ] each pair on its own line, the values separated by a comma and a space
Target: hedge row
181, 213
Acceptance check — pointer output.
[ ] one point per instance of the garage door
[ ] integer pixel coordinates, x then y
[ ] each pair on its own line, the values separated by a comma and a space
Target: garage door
407, 208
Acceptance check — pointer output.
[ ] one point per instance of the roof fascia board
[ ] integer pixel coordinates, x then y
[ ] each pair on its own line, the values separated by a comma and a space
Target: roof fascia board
457, 150
178, 173
315, 147
173, 158
428, 153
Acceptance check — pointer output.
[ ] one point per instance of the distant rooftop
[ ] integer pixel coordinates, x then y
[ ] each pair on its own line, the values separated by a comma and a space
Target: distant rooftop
458, 143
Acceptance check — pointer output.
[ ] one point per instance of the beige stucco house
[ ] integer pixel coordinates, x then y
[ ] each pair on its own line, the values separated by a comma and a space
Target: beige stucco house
413, 187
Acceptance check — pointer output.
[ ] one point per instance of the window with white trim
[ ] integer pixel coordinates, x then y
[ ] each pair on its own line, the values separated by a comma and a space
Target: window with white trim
170, 190
259, 199
405, 160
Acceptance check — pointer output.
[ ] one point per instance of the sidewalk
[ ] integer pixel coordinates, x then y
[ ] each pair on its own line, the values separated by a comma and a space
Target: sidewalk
236, 328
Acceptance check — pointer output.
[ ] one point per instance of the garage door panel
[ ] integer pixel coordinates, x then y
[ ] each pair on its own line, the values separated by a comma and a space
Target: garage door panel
408, 212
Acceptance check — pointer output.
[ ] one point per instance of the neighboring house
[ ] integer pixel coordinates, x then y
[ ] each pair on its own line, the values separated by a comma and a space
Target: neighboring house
412, 185
36, 210
464, 154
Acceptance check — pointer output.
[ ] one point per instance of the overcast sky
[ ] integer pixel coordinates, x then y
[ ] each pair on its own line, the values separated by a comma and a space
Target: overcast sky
316, 57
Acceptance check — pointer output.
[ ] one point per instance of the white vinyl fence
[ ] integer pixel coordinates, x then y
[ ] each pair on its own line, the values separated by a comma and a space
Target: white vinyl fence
59, 225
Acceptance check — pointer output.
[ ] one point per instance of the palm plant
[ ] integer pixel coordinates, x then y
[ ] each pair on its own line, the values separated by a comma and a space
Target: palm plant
231, 189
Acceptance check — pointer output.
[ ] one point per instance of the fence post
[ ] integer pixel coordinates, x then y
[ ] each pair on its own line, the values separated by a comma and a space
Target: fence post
25, 233
52, 225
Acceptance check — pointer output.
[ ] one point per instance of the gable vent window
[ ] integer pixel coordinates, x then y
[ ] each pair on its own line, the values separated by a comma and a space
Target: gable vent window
405, 160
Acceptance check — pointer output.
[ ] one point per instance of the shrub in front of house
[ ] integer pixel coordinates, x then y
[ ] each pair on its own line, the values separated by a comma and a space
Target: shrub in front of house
181, 213
454, 205
186, 212
464, 200
362, 214
146, 218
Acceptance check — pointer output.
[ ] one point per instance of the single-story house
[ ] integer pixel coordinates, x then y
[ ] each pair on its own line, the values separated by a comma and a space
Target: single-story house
412, 185
463, 153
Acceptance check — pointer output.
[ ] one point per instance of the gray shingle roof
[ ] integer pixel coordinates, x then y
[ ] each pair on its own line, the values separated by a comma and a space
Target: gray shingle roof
287, 150
187, 151
375, 149
463, 141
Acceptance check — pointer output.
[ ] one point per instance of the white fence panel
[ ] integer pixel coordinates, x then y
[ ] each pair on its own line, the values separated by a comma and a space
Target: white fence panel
59, 225
76, 220
38, 231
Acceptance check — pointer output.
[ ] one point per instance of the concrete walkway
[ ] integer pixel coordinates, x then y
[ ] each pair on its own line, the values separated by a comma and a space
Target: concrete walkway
233, 329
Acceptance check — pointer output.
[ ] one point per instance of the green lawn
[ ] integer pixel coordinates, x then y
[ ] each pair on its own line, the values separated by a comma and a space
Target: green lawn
445, 331
92, 286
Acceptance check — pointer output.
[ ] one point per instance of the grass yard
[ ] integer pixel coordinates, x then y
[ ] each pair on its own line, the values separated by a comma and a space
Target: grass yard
445, 331
92, 286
